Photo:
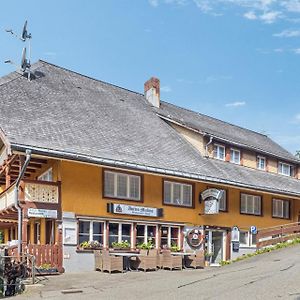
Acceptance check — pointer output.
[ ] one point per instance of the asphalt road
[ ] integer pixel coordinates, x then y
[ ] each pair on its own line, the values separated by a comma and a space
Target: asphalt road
267, 276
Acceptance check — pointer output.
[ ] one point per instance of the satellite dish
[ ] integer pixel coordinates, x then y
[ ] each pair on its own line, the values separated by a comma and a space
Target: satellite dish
25, 34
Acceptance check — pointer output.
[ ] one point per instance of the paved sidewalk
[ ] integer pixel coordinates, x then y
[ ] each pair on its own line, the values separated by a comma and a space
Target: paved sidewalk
267, 276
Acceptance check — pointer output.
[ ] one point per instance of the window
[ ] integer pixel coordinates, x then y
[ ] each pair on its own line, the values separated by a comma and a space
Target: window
145, 234
281, 208
91, 231
178, 193
244, 238
118, 232
261, 163
121, 185
223, 202
169, 236
235, 156
219, 152
251, 204
46, 176
285, 169
247, 239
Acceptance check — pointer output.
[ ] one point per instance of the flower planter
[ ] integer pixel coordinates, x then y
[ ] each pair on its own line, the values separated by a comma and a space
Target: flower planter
121, 249
50, 271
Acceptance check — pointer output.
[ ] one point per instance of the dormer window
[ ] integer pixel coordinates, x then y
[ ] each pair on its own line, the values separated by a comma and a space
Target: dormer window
261, 163
235, 156
285, 169
219, 152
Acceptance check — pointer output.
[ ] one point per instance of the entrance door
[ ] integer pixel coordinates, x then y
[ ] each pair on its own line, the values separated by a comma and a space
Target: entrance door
217, 246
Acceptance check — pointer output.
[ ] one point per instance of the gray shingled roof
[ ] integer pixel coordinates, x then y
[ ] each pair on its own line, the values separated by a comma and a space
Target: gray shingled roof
225, 131
65, 114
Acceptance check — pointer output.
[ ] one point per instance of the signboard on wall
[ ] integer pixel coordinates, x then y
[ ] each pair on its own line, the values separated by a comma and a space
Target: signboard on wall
211, 198
134, 210
235, 234
42, 213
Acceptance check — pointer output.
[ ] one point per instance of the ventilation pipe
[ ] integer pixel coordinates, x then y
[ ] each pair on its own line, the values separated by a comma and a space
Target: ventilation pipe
206, 146
17, 204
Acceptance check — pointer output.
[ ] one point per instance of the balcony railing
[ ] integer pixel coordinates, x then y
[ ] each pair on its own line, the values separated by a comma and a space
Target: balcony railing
31, 191
40, 191
7, 197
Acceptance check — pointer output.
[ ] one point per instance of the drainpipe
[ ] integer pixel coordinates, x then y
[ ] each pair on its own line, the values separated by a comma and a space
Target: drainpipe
206, 146
17, 204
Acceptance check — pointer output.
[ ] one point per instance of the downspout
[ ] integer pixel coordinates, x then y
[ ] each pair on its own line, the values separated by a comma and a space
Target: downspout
206, 146
17, 204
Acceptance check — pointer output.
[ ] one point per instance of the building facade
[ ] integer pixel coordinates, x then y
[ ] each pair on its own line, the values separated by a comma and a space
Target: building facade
111, 165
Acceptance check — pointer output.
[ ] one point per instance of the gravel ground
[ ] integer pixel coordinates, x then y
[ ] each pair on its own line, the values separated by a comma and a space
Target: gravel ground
267, 276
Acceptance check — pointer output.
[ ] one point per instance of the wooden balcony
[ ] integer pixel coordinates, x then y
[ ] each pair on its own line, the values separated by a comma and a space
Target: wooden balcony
32, 193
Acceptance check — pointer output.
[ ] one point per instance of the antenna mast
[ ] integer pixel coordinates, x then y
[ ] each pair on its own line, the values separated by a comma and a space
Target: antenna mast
25, 63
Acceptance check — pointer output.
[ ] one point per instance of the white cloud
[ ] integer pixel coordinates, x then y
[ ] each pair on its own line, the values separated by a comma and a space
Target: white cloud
204, 5
270, 16
50, 53
278, 50
291, 5
166, 89
287, 33
250, 15
236, 104
153, 3
296, 51
213, 78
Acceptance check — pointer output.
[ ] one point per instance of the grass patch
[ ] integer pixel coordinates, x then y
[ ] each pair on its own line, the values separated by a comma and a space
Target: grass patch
262, 251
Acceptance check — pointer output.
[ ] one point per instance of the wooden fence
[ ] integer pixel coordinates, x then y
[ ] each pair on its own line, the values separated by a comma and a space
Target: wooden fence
50, 255
277, 234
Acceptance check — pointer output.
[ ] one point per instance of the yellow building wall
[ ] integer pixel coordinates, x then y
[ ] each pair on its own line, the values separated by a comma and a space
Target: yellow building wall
82, 194
249, 159
272, 165
192, 137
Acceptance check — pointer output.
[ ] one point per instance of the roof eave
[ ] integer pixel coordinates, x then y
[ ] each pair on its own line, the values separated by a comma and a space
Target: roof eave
51, 153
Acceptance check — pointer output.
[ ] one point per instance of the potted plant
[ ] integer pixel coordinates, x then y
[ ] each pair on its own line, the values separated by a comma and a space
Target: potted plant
174, 247
207, 256
90, 245
46, 269
123, 245
145, 246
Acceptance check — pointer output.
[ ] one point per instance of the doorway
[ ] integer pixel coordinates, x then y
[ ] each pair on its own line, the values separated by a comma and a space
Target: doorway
216, 246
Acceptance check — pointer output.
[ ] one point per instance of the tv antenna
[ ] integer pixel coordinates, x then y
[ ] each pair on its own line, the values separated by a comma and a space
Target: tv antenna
25, 63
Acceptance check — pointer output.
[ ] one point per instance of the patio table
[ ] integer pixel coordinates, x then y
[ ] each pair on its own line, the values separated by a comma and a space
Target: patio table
183, 254
126, 257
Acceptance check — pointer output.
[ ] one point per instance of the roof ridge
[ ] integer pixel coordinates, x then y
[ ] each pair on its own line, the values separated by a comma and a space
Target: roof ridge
231, 124
89, 77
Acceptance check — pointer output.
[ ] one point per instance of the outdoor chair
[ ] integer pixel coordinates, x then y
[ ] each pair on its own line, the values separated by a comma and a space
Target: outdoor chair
146, 261
111, 263
98, 260
195, 260
170, 261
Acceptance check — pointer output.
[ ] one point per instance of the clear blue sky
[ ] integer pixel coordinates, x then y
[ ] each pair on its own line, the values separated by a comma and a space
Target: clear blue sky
236, 60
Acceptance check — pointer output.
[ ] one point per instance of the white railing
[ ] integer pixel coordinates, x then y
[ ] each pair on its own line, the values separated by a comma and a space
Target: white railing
41, 192
7, 197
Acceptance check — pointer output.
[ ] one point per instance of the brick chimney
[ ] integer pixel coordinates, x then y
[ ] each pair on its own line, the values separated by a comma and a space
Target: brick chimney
152, 91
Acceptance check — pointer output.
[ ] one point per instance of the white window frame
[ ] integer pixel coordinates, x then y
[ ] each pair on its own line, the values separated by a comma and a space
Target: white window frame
120, 232
172, 200
258, 162
47, 175
169, 235
232, 157
217, 153
250, 198
277, 215
91, 231
115, 195
225, 201
281, 166
146, 233
249, 243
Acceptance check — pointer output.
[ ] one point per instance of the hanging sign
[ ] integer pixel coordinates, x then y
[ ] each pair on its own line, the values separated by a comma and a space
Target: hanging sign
211, 198
134, 210
42, 213
235, 234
